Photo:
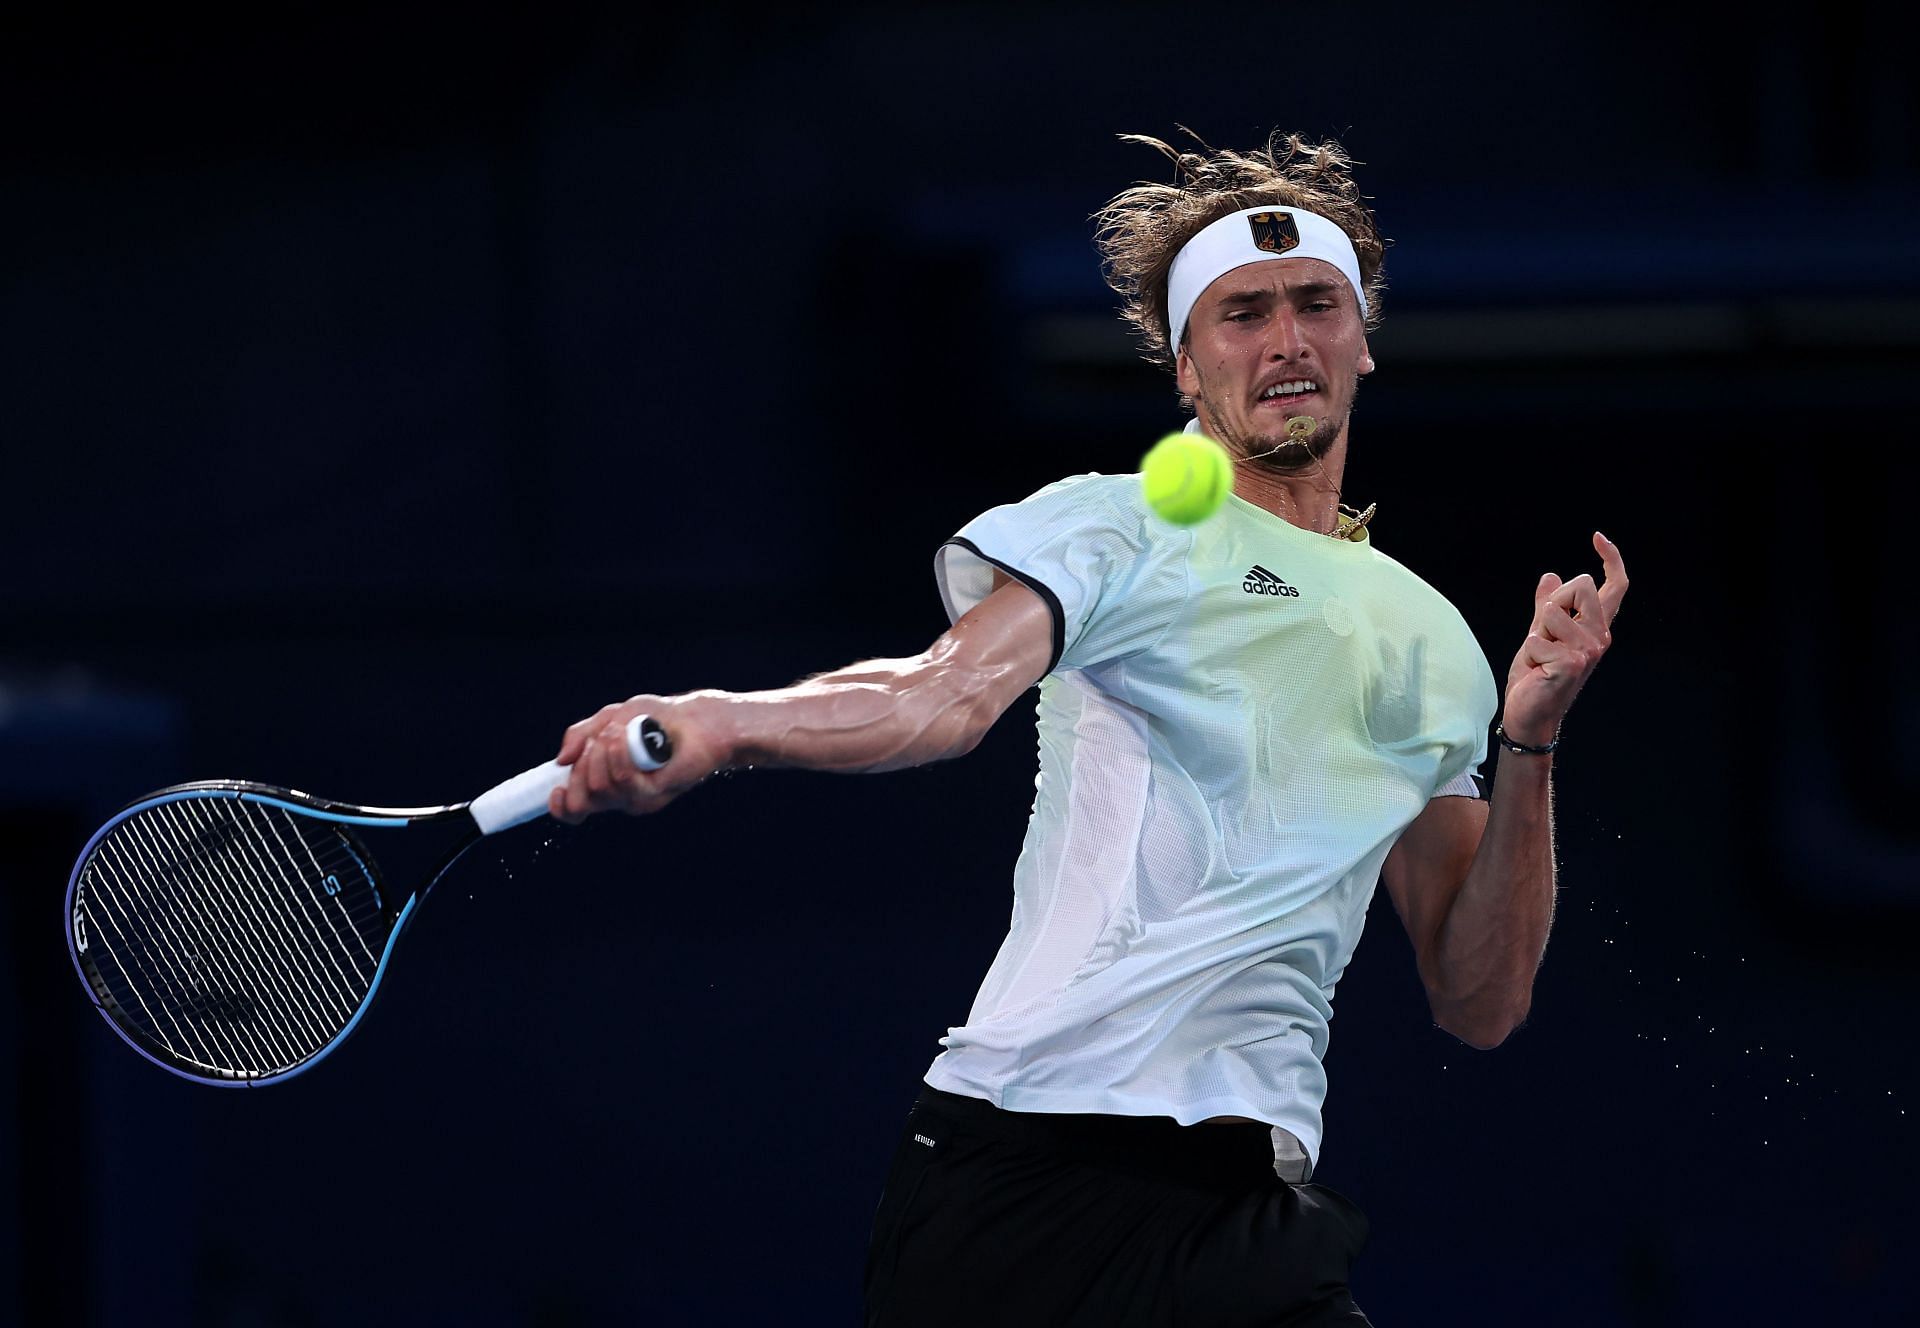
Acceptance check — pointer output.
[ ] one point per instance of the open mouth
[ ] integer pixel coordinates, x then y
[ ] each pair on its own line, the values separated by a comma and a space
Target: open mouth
1289, 395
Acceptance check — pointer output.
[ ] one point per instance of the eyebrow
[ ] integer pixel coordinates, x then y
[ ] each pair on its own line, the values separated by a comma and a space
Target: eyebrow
1306, 290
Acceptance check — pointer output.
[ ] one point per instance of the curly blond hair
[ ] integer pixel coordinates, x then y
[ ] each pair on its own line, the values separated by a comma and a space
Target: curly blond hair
1143, 228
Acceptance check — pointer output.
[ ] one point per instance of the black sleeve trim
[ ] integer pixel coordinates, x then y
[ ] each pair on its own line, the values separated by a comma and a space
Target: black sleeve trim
1037, 587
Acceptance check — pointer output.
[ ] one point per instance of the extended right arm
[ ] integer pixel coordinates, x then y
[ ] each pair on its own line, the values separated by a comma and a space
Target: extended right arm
885, 714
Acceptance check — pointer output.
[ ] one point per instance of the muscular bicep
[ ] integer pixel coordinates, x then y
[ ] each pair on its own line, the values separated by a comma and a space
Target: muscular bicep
998, 649
1425, 870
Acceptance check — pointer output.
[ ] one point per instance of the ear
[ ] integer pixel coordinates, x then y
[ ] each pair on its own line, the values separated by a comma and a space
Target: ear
1185, 376
1366, 360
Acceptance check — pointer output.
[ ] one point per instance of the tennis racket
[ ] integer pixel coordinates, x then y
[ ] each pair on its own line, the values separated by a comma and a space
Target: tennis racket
235, 933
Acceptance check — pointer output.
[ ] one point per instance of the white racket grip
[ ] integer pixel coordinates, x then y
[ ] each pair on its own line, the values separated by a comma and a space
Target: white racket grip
524, 797
519, 799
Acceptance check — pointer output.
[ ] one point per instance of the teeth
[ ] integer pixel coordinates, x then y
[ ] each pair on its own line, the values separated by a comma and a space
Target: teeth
1294, 388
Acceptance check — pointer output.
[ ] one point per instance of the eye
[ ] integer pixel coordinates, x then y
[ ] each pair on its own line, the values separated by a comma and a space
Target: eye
1320, 306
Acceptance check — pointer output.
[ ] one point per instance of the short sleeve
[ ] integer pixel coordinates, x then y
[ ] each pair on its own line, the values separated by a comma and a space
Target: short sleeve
1111, 575
1468, 781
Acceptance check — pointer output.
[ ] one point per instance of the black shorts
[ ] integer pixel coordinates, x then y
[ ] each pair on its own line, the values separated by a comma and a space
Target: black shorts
1020, 1219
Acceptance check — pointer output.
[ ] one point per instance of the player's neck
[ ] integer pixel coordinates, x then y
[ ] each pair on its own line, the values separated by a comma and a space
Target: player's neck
1308, 498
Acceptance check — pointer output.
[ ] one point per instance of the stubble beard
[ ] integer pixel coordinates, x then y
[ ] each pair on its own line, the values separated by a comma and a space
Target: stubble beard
1277, 455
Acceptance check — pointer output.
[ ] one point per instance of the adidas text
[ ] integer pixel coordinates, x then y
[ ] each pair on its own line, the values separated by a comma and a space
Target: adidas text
1260, 581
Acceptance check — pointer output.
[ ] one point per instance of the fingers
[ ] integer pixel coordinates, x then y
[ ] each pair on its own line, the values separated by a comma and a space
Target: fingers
1537, 652
1614, 568
603, 776
599, 782
1556, 624
1591, 603
578, 734
1570, 634
577, 796
1581, 645
1581, 598
1562, 646
613, 741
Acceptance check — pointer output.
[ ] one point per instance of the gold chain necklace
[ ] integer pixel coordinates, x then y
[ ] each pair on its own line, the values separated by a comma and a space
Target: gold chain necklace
1351, 525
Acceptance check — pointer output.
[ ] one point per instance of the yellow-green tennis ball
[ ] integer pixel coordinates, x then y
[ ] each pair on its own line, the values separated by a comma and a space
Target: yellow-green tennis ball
1186, 476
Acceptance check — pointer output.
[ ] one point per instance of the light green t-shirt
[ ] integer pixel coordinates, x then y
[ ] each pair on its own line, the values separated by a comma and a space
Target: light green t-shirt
1241, 718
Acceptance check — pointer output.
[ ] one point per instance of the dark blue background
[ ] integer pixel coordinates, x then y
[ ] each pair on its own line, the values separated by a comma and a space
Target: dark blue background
381, 394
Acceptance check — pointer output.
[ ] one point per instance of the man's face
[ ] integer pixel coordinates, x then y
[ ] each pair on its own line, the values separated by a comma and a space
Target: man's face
1268, 326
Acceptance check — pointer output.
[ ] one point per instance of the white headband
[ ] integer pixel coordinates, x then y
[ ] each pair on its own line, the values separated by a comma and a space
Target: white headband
1255, 235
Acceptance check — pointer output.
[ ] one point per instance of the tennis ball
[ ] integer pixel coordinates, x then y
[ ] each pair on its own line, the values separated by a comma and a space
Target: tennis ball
1186, 477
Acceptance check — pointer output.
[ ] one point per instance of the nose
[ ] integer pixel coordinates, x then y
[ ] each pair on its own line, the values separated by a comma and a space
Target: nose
1283, 338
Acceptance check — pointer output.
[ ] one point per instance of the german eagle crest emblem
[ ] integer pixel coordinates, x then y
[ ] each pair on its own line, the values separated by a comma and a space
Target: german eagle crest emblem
1274, 232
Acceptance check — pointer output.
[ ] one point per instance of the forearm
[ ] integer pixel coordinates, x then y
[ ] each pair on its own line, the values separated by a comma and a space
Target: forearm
883, 714
1490, 943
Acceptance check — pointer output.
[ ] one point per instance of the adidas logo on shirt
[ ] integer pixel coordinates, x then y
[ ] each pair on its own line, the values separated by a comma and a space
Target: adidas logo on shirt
1262, 582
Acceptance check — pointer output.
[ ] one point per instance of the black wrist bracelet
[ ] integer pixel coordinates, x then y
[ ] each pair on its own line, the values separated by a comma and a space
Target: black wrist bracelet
1500, 732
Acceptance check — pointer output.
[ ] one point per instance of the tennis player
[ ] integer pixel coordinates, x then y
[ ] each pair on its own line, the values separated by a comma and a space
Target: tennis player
1243, 726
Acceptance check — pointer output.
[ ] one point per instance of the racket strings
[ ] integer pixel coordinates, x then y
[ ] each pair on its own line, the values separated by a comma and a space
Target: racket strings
204, 900
248, 855
222, 915
282, 918
165, 957
190, 950
204, 905
238, 936
165, 950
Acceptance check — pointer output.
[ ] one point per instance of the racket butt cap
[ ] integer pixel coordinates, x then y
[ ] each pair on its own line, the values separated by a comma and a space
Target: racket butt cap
647, 743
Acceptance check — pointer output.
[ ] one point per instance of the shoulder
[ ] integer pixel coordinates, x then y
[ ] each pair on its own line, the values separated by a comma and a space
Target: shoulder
1116, 495
1088, 547
1109, 509
1409, 583
1414, 591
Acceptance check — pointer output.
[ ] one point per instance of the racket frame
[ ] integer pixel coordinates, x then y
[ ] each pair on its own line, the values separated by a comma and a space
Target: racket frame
397, 915
513, 802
